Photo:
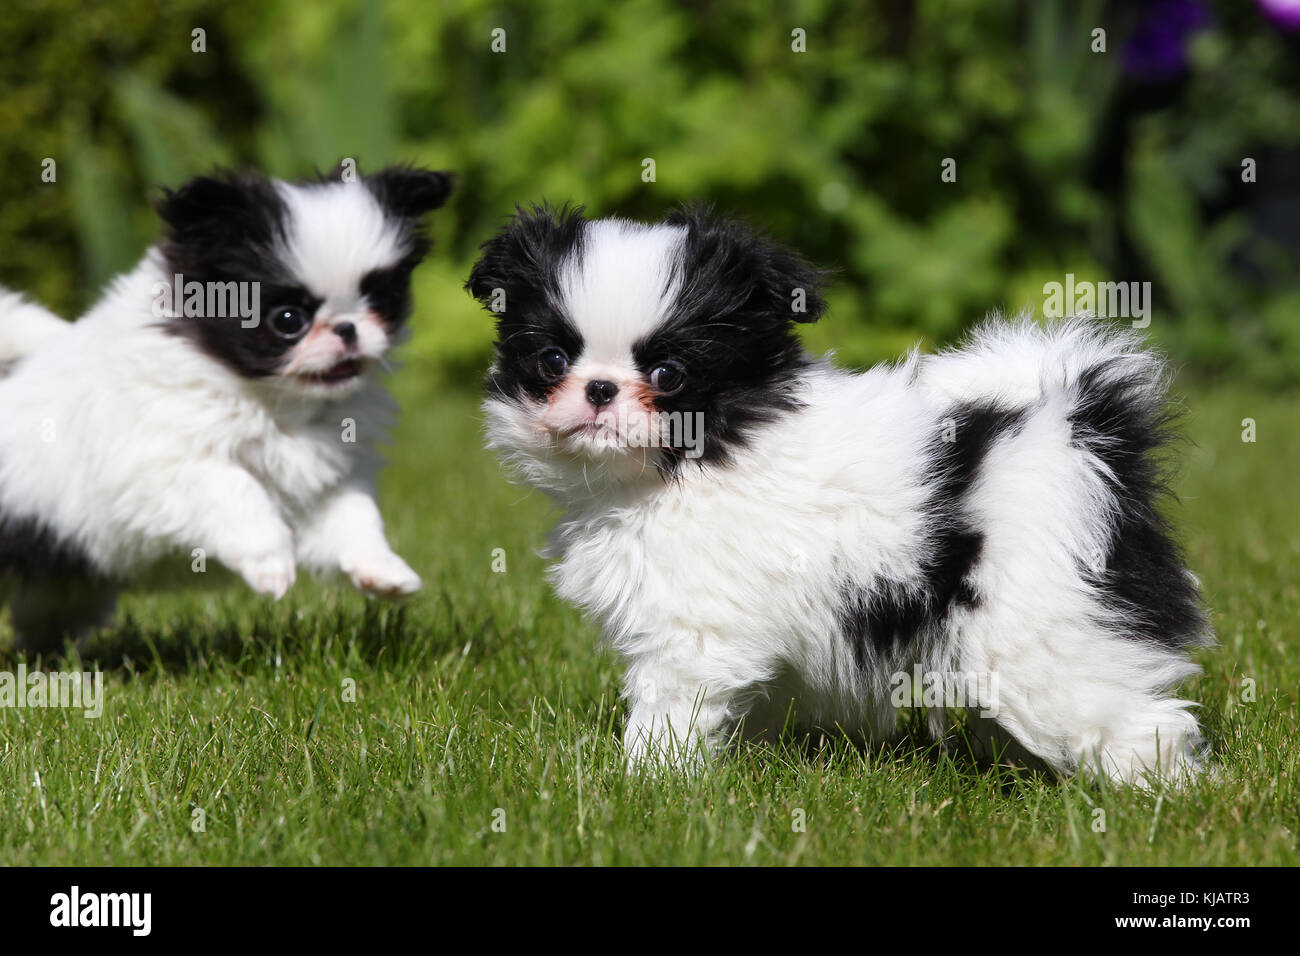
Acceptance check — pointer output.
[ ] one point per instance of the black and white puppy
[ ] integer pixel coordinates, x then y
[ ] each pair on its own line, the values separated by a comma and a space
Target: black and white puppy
763, 534
219, 402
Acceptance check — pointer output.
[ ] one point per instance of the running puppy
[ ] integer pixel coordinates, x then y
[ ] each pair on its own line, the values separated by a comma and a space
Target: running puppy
221, 398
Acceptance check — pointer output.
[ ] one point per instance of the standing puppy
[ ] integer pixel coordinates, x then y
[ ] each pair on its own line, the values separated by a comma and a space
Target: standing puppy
220, 399
755, 527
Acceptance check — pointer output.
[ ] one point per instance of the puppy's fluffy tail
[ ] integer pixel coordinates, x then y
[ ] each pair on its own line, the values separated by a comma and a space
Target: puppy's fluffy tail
1122, 416
25, 327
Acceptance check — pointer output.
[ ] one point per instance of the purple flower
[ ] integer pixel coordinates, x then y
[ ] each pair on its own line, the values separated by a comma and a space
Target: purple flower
1285, 13
1156, 52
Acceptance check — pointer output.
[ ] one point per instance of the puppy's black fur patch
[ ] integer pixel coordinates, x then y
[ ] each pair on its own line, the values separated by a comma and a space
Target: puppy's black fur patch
894, 611
1120, 420
53, 591
30, 550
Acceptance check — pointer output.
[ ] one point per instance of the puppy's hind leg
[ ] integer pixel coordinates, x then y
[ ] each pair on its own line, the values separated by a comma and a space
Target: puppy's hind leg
1086, 699
1156, 740
47, 611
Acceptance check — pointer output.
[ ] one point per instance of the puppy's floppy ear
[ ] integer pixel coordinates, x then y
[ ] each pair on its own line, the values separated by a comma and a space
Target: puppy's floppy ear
220, 207
792, 284
726, 254
523, 257
410, 191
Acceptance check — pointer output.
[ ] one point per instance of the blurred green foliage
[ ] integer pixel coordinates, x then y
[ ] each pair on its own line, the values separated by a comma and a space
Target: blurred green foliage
1064, 163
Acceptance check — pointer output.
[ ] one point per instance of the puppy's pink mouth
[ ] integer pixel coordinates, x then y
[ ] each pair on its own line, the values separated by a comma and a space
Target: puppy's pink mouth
344, 371
588, 430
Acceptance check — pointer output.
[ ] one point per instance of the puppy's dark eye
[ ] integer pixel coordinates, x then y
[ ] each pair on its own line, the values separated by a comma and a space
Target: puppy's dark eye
668, 378
552, 363
288, 321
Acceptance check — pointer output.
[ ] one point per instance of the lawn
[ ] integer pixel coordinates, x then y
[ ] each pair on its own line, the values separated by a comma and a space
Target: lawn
485, 721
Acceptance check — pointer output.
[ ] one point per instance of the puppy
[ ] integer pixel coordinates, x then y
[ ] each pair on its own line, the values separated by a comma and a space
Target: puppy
219, 402
765, 536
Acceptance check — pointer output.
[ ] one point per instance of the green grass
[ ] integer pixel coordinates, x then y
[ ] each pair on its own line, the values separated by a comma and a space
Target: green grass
485, 694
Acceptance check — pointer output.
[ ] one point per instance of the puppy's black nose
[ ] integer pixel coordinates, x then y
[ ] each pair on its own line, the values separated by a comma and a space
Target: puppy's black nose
347, 332
600, 392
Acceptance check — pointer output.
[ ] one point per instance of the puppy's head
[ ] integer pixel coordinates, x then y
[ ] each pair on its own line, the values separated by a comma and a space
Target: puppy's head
326, 263
624, 349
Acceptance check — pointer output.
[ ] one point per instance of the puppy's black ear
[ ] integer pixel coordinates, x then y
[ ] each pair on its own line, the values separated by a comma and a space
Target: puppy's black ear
523, 258
216, 209
763, 278
791, 284
409, 191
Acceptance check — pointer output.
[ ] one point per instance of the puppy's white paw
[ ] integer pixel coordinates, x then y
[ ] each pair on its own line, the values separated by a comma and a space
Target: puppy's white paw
382, 575
272, 573
659, 750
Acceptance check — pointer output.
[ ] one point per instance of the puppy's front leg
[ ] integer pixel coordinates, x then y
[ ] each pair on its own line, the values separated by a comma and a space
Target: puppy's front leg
346, 533
680, 708
230, 515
